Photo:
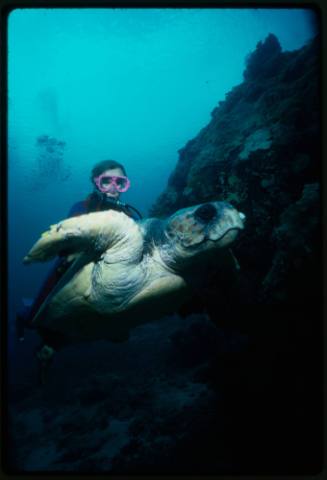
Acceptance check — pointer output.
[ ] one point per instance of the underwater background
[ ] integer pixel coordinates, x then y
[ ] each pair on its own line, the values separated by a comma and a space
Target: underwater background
198, 105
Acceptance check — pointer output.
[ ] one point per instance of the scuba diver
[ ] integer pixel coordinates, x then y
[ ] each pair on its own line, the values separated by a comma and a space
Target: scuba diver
110, 181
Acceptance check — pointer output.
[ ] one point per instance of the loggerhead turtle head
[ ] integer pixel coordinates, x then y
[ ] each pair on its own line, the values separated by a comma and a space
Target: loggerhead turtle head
204, 227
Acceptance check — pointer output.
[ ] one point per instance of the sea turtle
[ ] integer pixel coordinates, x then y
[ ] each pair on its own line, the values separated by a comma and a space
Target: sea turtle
127, 273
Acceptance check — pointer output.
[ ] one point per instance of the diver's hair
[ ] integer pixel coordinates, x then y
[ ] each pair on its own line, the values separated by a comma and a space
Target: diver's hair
105, 165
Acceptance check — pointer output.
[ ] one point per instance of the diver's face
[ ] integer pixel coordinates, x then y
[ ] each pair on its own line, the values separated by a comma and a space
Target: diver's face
113, 192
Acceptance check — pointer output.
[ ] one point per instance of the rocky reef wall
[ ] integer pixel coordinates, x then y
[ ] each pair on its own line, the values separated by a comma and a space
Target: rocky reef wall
261, 151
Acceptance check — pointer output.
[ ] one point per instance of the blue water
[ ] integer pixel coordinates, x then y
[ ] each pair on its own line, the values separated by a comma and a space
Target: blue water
132, 85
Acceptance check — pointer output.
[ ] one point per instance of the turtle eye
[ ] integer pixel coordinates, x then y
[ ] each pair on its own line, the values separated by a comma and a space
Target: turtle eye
205, 213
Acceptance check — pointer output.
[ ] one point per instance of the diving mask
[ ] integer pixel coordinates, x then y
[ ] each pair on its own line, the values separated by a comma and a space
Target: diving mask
106, 183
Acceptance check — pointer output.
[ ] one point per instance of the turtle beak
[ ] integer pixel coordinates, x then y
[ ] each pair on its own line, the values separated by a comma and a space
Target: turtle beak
242, 216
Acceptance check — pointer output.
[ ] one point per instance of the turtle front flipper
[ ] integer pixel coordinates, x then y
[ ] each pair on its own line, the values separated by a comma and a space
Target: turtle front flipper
52, 242
76, 265
94, 231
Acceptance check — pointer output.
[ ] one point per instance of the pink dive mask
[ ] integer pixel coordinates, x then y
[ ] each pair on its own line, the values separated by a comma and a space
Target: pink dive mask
105, 183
